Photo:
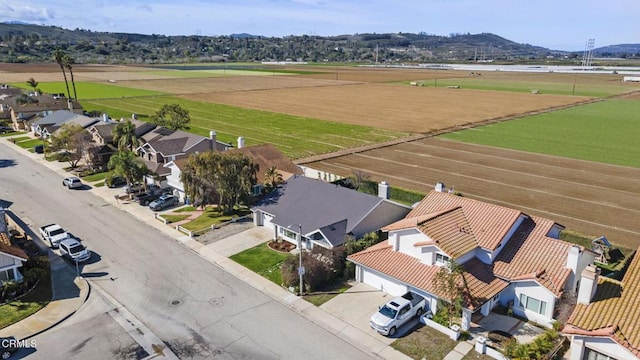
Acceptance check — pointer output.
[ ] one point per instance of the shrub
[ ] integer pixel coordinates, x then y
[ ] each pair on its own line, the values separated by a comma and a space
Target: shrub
315, 276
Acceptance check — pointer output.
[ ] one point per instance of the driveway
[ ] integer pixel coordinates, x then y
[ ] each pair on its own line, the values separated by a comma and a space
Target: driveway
356, 305
523, 331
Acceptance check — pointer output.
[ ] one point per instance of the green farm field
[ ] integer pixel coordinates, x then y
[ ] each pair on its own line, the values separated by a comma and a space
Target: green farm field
90, 90
295, 136
604, 132
543, 87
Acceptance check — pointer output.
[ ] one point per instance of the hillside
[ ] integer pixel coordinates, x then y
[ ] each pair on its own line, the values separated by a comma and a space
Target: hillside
34, 43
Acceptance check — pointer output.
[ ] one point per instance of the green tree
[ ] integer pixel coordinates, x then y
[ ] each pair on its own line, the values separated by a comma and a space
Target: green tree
124, 136
58, 56
172, 116
128, 165
67, 63
198, 179
449, 282
272, 178
34, 84
71, 140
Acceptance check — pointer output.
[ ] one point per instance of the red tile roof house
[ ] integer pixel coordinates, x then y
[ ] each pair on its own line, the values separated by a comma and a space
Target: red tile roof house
508, 257
163, 146
606, 322
11, 257
323, 214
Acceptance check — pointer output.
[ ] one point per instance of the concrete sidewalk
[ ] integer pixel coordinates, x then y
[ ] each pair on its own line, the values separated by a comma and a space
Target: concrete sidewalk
217, 253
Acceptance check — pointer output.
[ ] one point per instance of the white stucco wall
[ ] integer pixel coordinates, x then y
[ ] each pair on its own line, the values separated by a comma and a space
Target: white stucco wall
537, 291
408, 238
380, 281
603, 345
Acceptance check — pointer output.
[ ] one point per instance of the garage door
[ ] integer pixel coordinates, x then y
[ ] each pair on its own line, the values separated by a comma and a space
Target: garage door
266, 221
380, 281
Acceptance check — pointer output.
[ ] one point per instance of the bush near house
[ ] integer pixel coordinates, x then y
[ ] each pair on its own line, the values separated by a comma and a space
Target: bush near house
323, 268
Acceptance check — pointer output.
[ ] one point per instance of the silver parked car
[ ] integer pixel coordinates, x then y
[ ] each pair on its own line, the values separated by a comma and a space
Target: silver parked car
73, 250
164, 202
72, 182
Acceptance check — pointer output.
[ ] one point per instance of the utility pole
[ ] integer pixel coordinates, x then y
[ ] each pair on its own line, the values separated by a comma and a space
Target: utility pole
300, 268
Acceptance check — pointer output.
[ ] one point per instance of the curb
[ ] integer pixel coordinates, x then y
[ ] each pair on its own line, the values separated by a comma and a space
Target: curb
65, 317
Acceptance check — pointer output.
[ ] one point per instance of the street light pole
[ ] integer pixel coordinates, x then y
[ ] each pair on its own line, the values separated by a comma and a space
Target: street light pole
300, 267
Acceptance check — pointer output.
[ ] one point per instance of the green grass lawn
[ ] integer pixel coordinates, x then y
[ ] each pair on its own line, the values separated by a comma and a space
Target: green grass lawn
424, 343
322, 297
605, 132
211, 217
263, 261
90, 90
555, 88
174, 218
27, 305
295, 136
28, 144
96, 177
185, 208
12, 133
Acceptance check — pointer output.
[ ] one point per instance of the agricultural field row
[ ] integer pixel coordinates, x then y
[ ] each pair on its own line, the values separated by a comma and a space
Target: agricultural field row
89, 90
604, 132
293, 135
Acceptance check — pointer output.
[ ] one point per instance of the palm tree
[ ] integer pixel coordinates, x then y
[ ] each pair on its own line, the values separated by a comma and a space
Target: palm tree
128, 165
67, 63
34, 84
58, 56
272, 178
124, 136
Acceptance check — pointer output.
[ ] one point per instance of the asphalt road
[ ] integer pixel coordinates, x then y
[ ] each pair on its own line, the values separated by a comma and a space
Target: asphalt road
198, 310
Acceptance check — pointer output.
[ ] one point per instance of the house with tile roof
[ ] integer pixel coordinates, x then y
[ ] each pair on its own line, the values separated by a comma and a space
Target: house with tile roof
605, 324
324, 214
508, 257
11, 257
163, 146
265, 156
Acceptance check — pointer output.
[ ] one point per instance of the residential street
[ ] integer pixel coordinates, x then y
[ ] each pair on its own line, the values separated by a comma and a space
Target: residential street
195, 307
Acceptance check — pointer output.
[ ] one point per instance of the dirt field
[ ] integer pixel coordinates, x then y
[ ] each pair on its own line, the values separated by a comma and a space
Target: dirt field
393, 107
592, 198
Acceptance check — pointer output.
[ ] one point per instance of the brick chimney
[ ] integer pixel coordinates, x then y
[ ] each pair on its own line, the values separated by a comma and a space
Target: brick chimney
588, 284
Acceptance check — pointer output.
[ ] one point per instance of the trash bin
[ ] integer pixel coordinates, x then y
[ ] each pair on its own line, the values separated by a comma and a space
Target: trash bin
38, 149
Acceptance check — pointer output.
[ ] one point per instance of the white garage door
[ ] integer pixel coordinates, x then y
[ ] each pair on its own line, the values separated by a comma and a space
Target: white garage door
266, 221
380, 281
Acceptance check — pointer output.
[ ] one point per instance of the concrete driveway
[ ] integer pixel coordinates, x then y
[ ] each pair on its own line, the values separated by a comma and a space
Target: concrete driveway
356, 305
523, 331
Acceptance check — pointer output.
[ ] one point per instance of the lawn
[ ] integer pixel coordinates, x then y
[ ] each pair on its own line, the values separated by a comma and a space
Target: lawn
211, 217
263, 261
474, 355
424, 343
90, 90
29, 304
603, 132
295, 136
96, 177
12, 133
173, 218
28, 143
320, 298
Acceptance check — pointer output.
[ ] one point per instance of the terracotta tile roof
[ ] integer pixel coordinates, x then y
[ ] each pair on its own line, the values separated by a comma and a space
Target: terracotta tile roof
490, 223
7, 248
481, 283
451, 231
531, 255
614, 311
266, 156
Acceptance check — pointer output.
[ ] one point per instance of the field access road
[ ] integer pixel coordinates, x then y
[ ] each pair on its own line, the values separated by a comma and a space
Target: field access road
192, 305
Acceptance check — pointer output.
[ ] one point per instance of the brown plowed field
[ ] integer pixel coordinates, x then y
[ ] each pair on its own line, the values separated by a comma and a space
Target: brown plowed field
592, 198
392, 107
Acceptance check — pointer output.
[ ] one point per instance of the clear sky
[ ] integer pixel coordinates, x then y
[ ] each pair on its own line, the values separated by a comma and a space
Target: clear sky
554, 24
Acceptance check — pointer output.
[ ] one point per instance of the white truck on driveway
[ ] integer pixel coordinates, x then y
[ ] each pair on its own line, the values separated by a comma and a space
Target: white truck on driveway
53, 233
392, 315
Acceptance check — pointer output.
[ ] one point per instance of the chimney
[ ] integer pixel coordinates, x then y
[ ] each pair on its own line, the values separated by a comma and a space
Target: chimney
105, 117
588, 284
573, 260
240, 142
70, 105
212, 136
440, 187
383, 190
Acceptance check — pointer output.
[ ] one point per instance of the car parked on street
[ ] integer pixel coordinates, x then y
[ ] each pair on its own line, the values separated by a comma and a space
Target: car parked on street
153, 194
73, 250
163, 202
72, 182
115, 181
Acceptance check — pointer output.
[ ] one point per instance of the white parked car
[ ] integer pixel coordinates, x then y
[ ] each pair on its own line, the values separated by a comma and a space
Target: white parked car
73, 250
72, 182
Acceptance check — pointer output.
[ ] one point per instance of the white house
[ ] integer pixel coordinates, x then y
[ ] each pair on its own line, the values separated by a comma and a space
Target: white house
605, 325
508, 257
11, 257
324, 214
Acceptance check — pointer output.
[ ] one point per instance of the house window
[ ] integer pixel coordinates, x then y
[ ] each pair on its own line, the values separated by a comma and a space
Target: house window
533, 304
289, 234
590, 354
442, 259
7, 275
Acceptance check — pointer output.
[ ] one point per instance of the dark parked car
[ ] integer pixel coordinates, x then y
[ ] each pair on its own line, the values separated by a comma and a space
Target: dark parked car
145, 199
8, 345
115, 181
134, 189
164, 202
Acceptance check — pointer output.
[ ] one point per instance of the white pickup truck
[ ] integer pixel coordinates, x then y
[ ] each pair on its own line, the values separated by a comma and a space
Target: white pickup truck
397, 312
53, 233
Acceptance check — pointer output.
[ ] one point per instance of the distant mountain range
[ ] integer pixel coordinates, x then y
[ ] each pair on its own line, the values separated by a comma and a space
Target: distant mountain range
20, 42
